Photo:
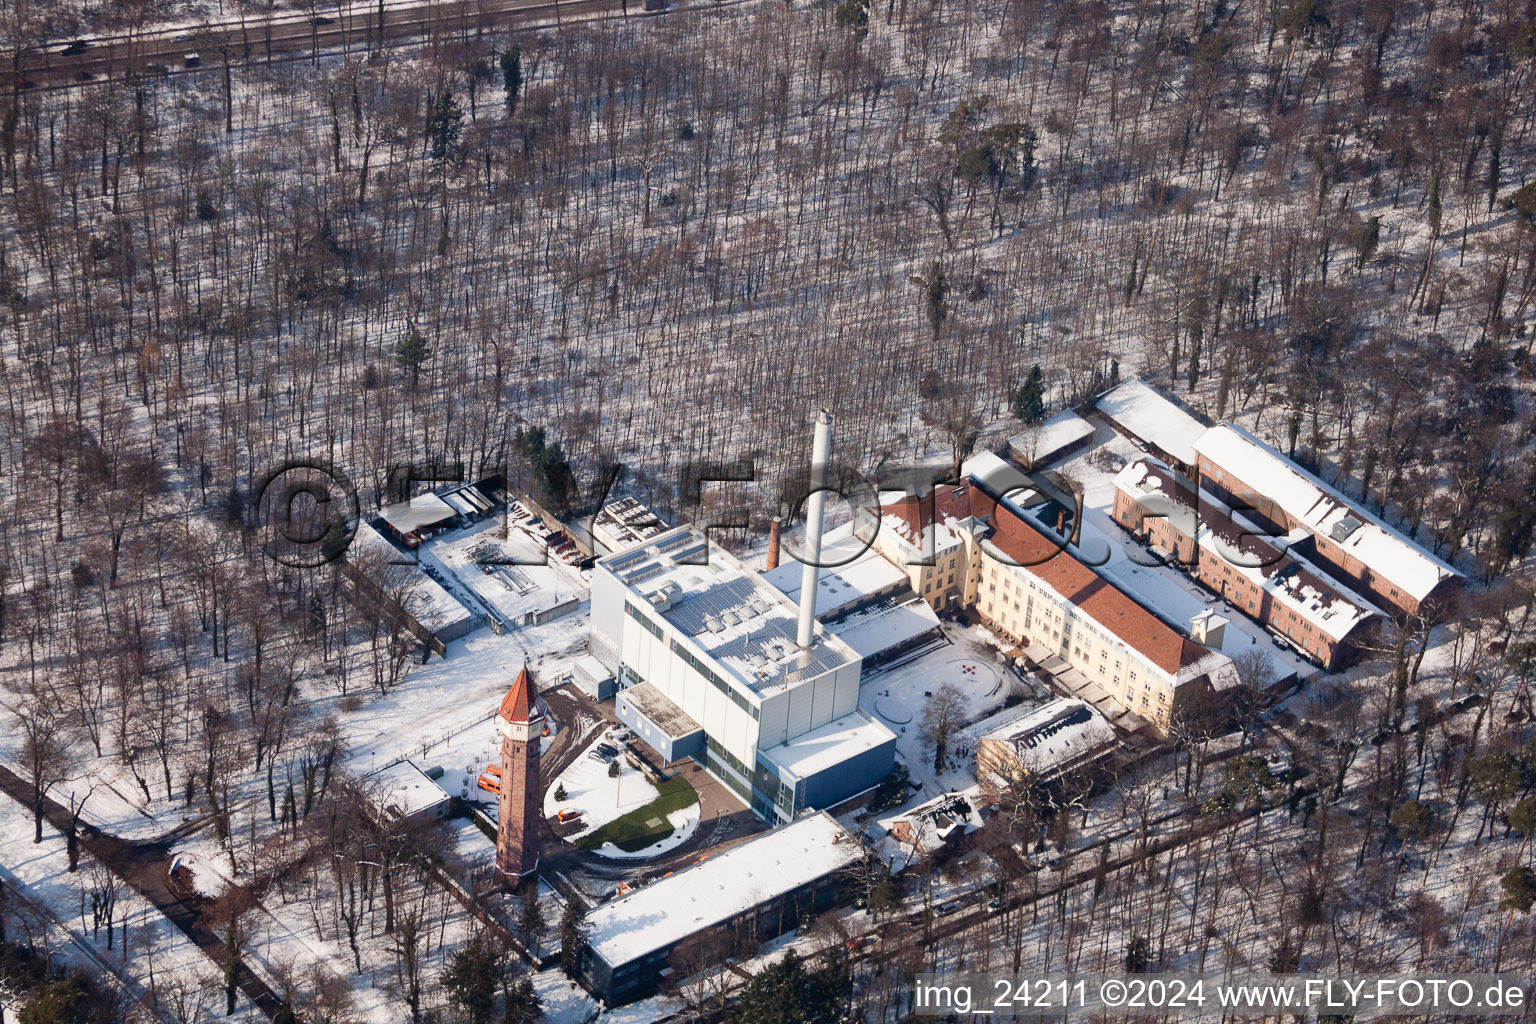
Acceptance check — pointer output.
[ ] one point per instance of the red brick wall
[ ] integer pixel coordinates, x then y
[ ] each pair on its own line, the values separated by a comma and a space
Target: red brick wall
519, 808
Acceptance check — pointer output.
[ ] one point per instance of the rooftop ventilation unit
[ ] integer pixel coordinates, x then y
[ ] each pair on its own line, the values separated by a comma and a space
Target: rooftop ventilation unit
673, 542
1344, 527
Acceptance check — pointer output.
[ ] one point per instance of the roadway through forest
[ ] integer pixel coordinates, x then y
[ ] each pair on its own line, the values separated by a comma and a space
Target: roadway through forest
145, 867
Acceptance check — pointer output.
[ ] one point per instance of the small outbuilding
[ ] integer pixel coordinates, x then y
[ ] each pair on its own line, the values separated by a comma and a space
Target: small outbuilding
403, 792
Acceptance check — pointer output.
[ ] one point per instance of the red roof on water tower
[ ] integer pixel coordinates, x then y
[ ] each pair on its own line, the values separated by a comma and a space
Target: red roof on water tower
521, 702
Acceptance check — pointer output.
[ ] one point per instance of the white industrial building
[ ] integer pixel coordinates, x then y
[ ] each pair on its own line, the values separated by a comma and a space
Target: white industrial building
715, 664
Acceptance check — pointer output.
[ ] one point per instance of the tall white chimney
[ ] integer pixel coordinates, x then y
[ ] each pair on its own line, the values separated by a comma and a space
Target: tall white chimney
821, 453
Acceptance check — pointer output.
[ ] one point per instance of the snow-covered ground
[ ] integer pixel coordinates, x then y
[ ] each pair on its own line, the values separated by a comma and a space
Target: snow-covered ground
899, 694
449, 696
601, 799
47, 905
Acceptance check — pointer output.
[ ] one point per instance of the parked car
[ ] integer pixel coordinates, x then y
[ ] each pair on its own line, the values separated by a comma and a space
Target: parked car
620, 735
193, 60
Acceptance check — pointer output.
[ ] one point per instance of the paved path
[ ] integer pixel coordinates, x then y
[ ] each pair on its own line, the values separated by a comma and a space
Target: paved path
144, 866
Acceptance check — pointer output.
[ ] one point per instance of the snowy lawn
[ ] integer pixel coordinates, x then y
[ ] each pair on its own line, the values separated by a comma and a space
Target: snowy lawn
898, 696
627, 815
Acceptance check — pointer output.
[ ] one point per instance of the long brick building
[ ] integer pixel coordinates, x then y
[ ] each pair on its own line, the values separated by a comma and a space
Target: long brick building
1260, 575
1355, 546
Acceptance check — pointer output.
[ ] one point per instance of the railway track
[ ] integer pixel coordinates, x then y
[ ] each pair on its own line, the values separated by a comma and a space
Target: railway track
155, 56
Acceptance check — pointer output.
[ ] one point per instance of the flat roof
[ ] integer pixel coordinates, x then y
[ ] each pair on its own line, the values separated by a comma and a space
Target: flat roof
670, 909
733, 615
629, 522
838, 586
422, 510
660, 711
1153, 417
1325, 510
816, 751
403, 789
885, 624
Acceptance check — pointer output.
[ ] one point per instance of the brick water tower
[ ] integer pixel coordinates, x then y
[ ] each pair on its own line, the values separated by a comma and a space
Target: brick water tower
520, 808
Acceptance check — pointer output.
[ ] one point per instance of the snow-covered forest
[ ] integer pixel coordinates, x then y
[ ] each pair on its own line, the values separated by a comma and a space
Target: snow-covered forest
663, 241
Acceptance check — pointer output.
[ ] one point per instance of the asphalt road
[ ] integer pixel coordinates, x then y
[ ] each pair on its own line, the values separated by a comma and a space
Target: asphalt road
289, 37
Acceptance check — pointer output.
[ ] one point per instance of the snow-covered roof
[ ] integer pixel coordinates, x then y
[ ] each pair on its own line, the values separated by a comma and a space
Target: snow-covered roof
884, 625
814, 752
746, 626
863, 573
433, 606
1045, 441
931, 824
624, 522
1154, 418
1324, 510
1051, 738
670, 909
422, 510
403, 789
594, 670
1274, 567
1160, 490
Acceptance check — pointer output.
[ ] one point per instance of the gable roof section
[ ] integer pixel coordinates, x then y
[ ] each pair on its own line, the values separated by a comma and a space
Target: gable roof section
1153, 417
